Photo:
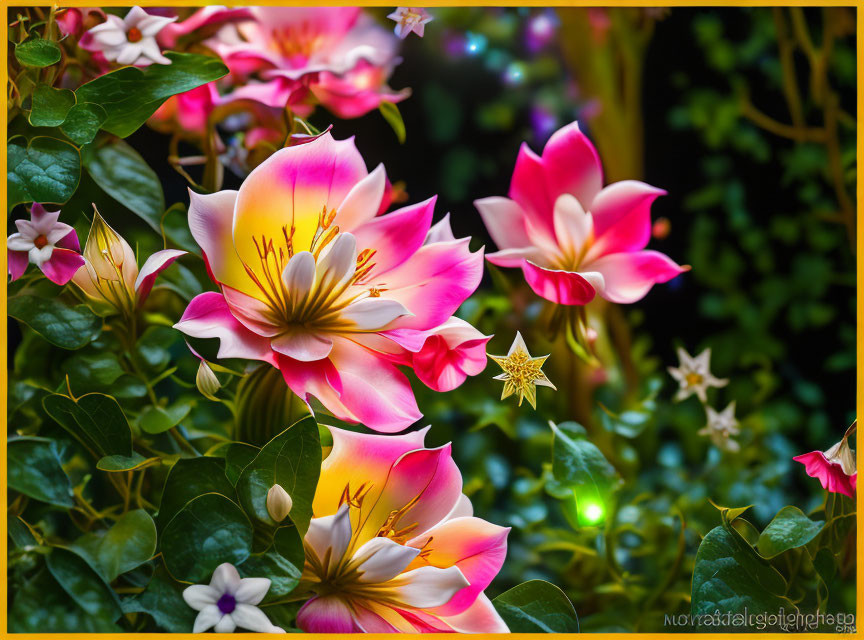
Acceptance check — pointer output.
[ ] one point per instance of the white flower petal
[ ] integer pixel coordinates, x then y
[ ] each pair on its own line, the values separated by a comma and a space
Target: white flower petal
199, 596
337, 266
252, 590
573, 226
373, 313
57, 232
225, 579
135, 15
251, 618
151, 25
225, 625
381, 559
440, 231
331, 533
299, 276
129, 53
40, 256
363, 201
208, 617
427, 586
17, 242
305, 346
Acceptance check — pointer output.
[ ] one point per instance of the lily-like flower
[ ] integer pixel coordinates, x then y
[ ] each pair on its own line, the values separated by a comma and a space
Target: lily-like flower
694, 375
229, 602
573, 238
50, 245
393, 545
130, 40
315, 283
835, 468
110, 277
410, 19
337, 55
721, 426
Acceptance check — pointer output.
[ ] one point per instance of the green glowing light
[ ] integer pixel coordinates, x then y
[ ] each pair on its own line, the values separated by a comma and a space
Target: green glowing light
593, 513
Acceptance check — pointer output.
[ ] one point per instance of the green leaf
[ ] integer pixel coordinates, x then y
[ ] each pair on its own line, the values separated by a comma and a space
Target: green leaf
129, 543
131, 95
95, 419
391, 114
284, 574
20, 533
93, 370
34, 469
537, 606
163, 599
83, 584
730, 577
37, 52
50, 106
237, 456
159, 419
124, 175
83, 122
789, 529
65, 327
291, 459
207, 531
122, 463
46, 170
578, 463
188, 479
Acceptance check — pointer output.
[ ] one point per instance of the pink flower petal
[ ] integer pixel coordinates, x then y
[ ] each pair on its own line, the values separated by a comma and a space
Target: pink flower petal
528, 188
254, 314
328, 614
571, 165
70, 241
363, 201
515, 257
830, 475
450, 353
396, 236
504, 219
560, 287
208, 316
154, 265
17, 262
62, 265
480, 617
629, 276
210, 221
622, 217
370, 622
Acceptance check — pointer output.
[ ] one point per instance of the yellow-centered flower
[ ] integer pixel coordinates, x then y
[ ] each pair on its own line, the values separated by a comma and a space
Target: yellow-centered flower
522, 373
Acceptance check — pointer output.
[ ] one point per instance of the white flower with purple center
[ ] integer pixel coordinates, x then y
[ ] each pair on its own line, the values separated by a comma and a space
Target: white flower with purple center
229, 602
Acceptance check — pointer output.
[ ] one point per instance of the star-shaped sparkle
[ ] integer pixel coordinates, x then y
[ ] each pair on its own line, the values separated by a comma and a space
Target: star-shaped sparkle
522, 373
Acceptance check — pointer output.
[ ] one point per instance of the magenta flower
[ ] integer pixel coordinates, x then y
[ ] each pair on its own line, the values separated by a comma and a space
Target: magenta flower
393, 545
337, 55
572, 237
410, 19
834, 468
50, 245
315, 283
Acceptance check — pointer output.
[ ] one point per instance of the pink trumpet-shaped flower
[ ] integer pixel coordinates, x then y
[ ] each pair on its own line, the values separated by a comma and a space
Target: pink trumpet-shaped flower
393, 545
315, 282
572, 237
834, 468
50, 245
337, 55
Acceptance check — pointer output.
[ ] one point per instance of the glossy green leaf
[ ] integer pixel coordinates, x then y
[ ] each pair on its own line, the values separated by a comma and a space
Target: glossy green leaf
207, 531
163, 599
391, 114
160, 419
95, 419
291, 459
124, 175
129, 543
83, 584
92, 371
188, 479
237, 456
130, 95
537, 606
34, 468
122, 463
730, 577
20, 533
37, 52
50, 106
46, 170
65, 327
284, 574
789, 529
578, 463
83, 121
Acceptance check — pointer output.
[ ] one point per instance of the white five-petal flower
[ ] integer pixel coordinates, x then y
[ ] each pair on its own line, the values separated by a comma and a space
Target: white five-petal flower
721, 426
131, 40
694, 375
229, 602
410, 19
38, 236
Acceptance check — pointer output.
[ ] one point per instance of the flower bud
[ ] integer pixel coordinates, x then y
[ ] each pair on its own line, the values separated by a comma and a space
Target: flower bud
206, 381
279, 503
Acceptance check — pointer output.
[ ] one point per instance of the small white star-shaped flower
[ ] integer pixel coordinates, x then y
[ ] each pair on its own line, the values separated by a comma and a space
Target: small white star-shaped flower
522, 372
229, 602
721, 426
694, 375
131, 40
410, 19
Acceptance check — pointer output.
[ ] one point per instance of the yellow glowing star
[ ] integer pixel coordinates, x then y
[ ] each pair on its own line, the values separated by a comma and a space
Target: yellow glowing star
522, 373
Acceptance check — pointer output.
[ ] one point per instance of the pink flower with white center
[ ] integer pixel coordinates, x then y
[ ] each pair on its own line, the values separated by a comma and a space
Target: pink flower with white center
410, 19
337, 55
393, 545
313, 281
572, 237
835, 468
130, 40
50, 245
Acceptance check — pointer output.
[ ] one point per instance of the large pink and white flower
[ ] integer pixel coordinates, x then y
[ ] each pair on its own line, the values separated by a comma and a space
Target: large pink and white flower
338, 56
835, 468
572, 237
44, 241
313, 281
393, 545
